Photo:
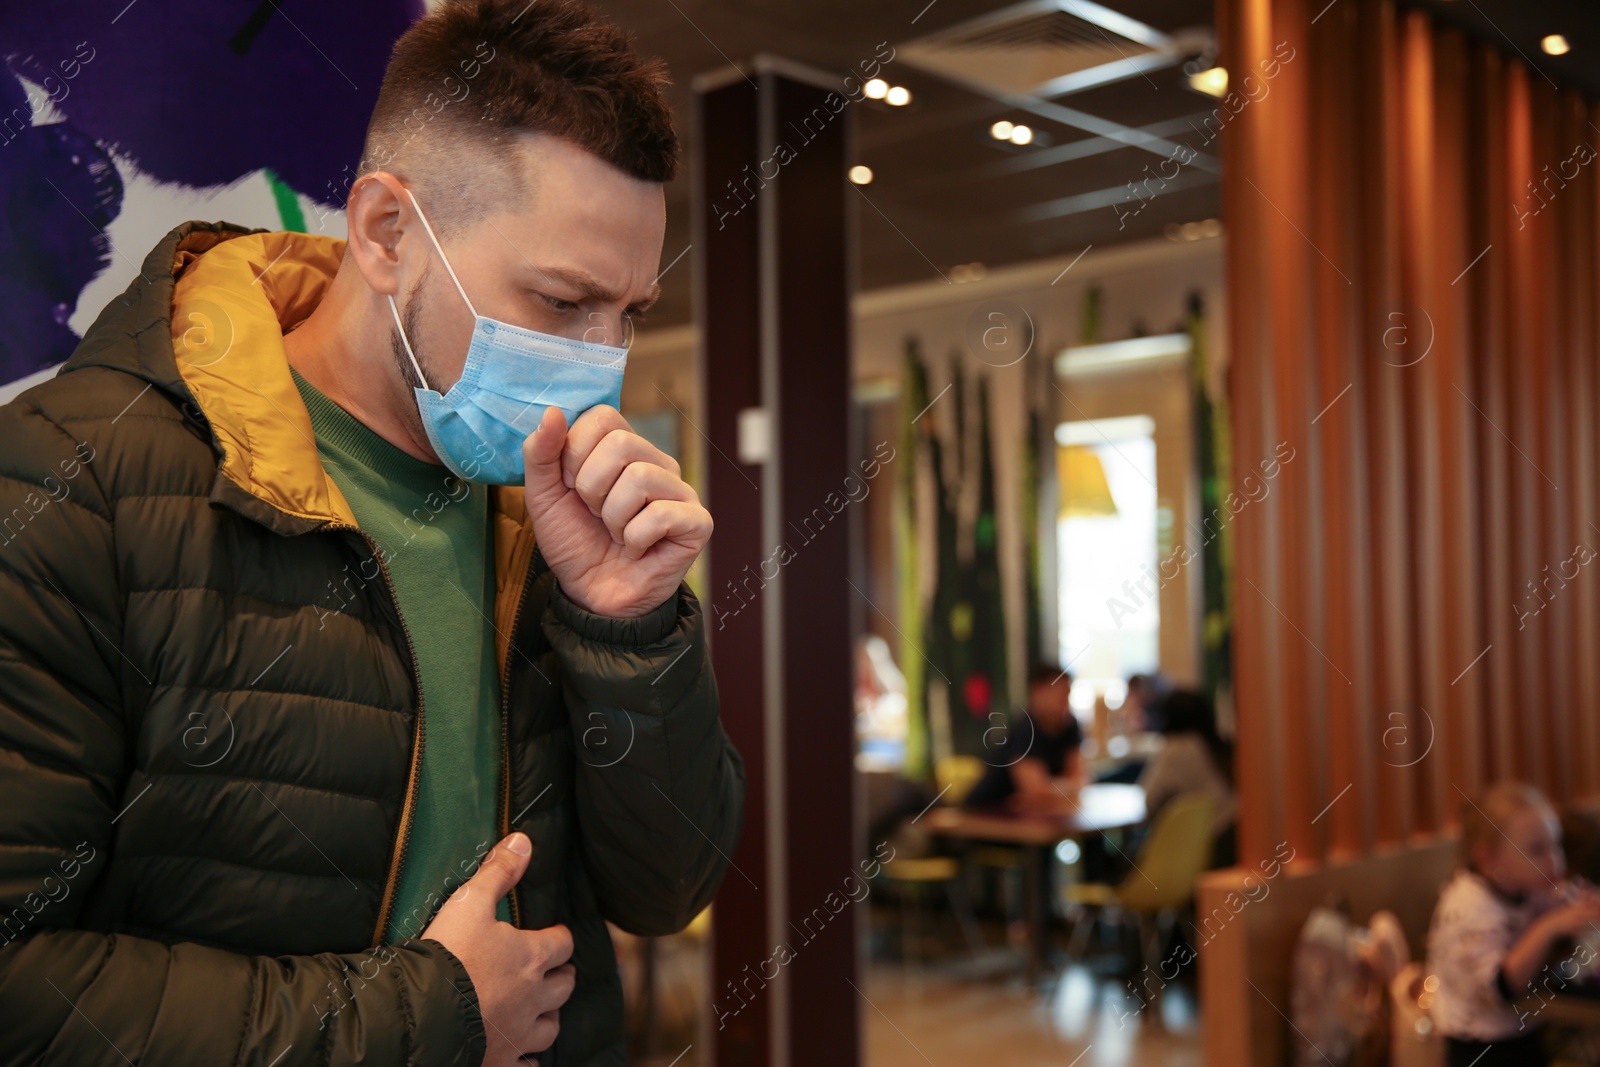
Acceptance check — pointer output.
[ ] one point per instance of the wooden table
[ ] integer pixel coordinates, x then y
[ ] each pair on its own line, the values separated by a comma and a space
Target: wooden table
1097, 809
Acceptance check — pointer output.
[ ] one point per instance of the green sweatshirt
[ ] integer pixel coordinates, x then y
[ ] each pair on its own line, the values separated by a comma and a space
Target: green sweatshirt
433, 530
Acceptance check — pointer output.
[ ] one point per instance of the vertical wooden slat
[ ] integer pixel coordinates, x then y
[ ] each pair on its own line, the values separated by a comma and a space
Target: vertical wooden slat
1487, 274
1388, 582
1303, 668
1455, 697
1581, 276
1257, 679
1551, 436
1337, 433
1422, 417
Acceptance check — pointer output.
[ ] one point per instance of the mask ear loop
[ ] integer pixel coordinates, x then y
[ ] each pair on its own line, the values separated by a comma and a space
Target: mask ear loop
440, 249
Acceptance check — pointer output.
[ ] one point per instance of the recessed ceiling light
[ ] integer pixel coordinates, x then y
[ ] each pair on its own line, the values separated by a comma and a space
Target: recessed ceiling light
861, 175
1555, 45
899, 96
877, 88
1021, 134
1213, 82
1001, 131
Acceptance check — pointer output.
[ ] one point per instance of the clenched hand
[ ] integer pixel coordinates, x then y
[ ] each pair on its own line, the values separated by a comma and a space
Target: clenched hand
611, 512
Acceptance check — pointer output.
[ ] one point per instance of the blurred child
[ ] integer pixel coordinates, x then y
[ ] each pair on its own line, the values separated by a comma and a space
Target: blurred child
1496, 924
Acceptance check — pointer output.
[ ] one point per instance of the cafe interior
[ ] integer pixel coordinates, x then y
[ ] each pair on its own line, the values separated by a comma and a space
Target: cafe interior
1153, 457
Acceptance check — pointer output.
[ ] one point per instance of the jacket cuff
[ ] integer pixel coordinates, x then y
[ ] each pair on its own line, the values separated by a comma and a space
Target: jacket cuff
477, 1044
627, 633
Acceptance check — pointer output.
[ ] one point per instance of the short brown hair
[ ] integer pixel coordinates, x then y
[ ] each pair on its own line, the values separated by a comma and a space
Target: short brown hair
472, 71
1484, 817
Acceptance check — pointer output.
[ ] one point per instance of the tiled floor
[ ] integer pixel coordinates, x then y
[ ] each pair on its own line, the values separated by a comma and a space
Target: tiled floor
957, 1008
922, 1018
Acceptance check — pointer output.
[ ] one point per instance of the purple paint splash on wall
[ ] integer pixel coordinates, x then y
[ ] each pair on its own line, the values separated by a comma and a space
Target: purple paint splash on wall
190, 91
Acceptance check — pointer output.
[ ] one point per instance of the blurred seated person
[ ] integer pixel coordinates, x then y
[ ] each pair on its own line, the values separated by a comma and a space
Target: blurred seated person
880, 704
1144, 690
1193, 758
1033, 762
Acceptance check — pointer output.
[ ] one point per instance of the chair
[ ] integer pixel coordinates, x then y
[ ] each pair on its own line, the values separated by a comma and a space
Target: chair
955, 776
1175, 852
914, 877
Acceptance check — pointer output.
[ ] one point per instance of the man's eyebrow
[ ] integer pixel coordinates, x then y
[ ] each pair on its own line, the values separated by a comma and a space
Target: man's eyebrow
593, 288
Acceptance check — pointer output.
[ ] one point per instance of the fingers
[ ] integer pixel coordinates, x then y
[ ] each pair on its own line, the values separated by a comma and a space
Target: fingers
542, 1033
666, 520
546, 1002
541, 457
587, 431
597, 454
554, 943
496, 875
640, 483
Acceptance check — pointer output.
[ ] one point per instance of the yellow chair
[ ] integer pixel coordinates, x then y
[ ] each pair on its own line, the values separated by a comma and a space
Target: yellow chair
1169, 864
960, 774
955, 776
914, 877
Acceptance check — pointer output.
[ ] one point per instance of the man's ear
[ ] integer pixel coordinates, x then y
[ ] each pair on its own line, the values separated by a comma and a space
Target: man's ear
379, 216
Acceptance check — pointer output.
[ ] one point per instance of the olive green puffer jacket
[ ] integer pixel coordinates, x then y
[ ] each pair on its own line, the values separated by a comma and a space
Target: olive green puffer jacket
210, 717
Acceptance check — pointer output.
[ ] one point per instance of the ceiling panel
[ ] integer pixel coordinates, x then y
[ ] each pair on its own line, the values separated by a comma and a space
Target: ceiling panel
945, 192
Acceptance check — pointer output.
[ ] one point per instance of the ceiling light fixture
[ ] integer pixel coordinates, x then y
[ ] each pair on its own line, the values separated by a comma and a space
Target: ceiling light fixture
861, 175
1213, 82
877, 88
1001, 131
898, 96
1021, 134
1555, 45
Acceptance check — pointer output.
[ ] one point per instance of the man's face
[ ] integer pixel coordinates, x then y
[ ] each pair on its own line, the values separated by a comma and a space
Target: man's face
573, 257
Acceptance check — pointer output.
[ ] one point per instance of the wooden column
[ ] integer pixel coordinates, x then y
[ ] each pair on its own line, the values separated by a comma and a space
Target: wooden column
773, 281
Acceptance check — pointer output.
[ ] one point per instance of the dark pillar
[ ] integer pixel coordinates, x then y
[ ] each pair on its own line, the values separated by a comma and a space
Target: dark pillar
773, 290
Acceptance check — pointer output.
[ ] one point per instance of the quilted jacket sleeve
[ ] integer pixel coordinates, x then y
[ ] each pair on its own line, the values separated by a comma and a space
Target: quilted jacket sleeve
71, 995
660, 789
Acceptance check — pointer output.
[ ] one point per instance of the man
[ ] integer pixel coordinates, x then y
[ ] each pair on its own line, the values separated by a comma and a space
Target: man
316, 613
1034, 761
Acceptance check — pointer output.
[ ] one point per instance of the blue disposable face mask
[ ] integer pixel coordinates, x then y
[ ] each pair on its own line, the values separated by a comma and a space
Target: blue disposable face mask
512, 376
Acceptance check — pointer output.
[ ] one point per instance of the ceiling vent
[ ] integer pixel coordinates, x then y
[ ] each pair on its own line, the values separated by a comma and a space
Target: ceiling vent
1041, 48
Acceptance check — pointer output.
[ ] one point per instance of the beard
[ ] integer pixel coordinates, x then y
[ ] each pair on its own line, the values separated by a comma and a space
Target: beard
407, 372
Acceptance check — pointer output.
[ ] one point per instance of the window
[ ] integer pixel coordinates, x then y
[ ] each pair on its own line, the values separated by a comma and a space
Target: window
1106, 537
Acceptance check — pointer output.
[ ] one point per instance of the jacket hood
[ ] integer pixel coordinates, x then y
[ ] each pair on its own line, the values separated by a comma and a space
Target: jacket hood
204, 322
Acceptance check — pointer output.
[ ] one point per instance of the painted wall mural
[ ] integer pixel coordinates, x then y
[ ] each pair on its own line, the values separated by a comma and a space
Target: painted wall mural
116, 125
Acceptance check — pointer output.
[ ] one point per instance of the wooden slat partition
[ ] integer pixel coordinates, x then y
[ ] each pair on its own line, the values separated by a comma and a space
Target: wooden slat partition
1414, 254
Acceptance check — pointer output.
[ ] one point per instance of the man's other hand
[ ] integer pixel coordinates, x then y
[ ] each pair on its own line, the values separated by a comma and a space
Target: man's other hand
522, 977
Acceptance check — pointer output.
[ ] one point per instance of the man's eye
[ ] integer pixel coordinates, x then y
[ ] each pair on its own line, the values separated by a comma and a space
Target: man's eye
562, 306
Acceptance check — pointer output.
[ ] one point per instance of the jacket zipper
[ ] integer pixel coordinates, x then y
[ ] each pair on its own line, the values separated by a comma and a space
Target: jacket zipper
408, 806
505, 732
